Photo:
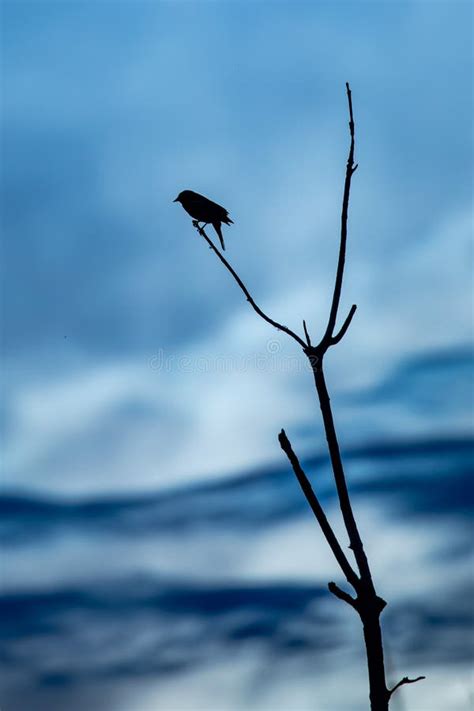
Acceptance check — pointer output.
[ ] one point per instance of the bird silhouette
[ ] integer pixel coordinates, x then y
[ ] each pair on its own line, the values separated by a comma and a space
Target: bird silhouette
204, 210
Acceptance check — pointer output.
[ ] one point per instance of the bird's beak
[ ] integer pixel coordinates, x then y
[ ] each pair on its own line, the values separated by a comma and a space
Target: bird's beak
176, 200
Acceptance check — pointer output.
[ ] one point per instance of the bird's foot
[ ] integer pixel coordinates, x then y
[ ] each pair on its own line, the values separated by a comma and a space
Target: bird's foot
200, 227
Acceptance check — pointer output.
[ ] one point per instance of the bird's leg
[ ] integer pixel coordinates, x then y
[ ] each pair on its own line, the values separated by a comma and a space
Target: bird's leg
196, 224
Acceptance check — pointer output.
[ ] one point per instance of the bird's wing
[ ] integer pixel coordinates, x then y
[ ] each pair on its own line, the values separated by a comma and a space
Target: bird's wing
221, 212
201, 199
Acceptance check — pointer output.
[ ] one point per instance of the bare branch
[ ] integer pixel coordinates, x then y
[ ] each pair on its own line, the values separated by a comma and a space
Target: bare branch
252, 303
328, 340
339, 336
308, 337
340, 478
368, 604
317, 509
350, 169
342, 595
351, 116
403, 681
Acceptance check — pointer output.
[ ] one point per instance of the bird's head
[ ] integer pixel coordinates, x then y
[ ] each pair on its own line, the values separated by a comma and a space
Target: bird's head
182, 196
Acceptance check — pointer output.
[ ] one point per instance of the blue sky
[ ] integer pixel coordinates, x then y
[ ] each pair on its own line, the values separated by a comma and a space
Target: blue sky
109, 110
133, 365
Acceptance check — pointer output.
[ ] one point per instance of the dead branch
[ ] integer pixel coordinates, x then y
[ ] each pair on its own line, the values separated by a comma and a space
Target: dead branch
403, 681
251, 301
367, 603
317, 509
350, 170
342, 595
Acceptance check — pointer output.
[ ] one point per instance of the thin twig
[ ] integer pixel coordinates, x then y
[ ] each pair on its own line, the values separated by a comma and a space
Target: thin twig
308, 337
316, 508
252, 303
342, 595
350, 169
403, 681
340, 335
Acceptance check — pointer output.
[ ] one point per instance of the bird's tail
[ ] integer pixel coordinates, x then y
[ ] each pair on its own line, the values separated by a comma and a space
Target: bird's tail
227, 220
217, 227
